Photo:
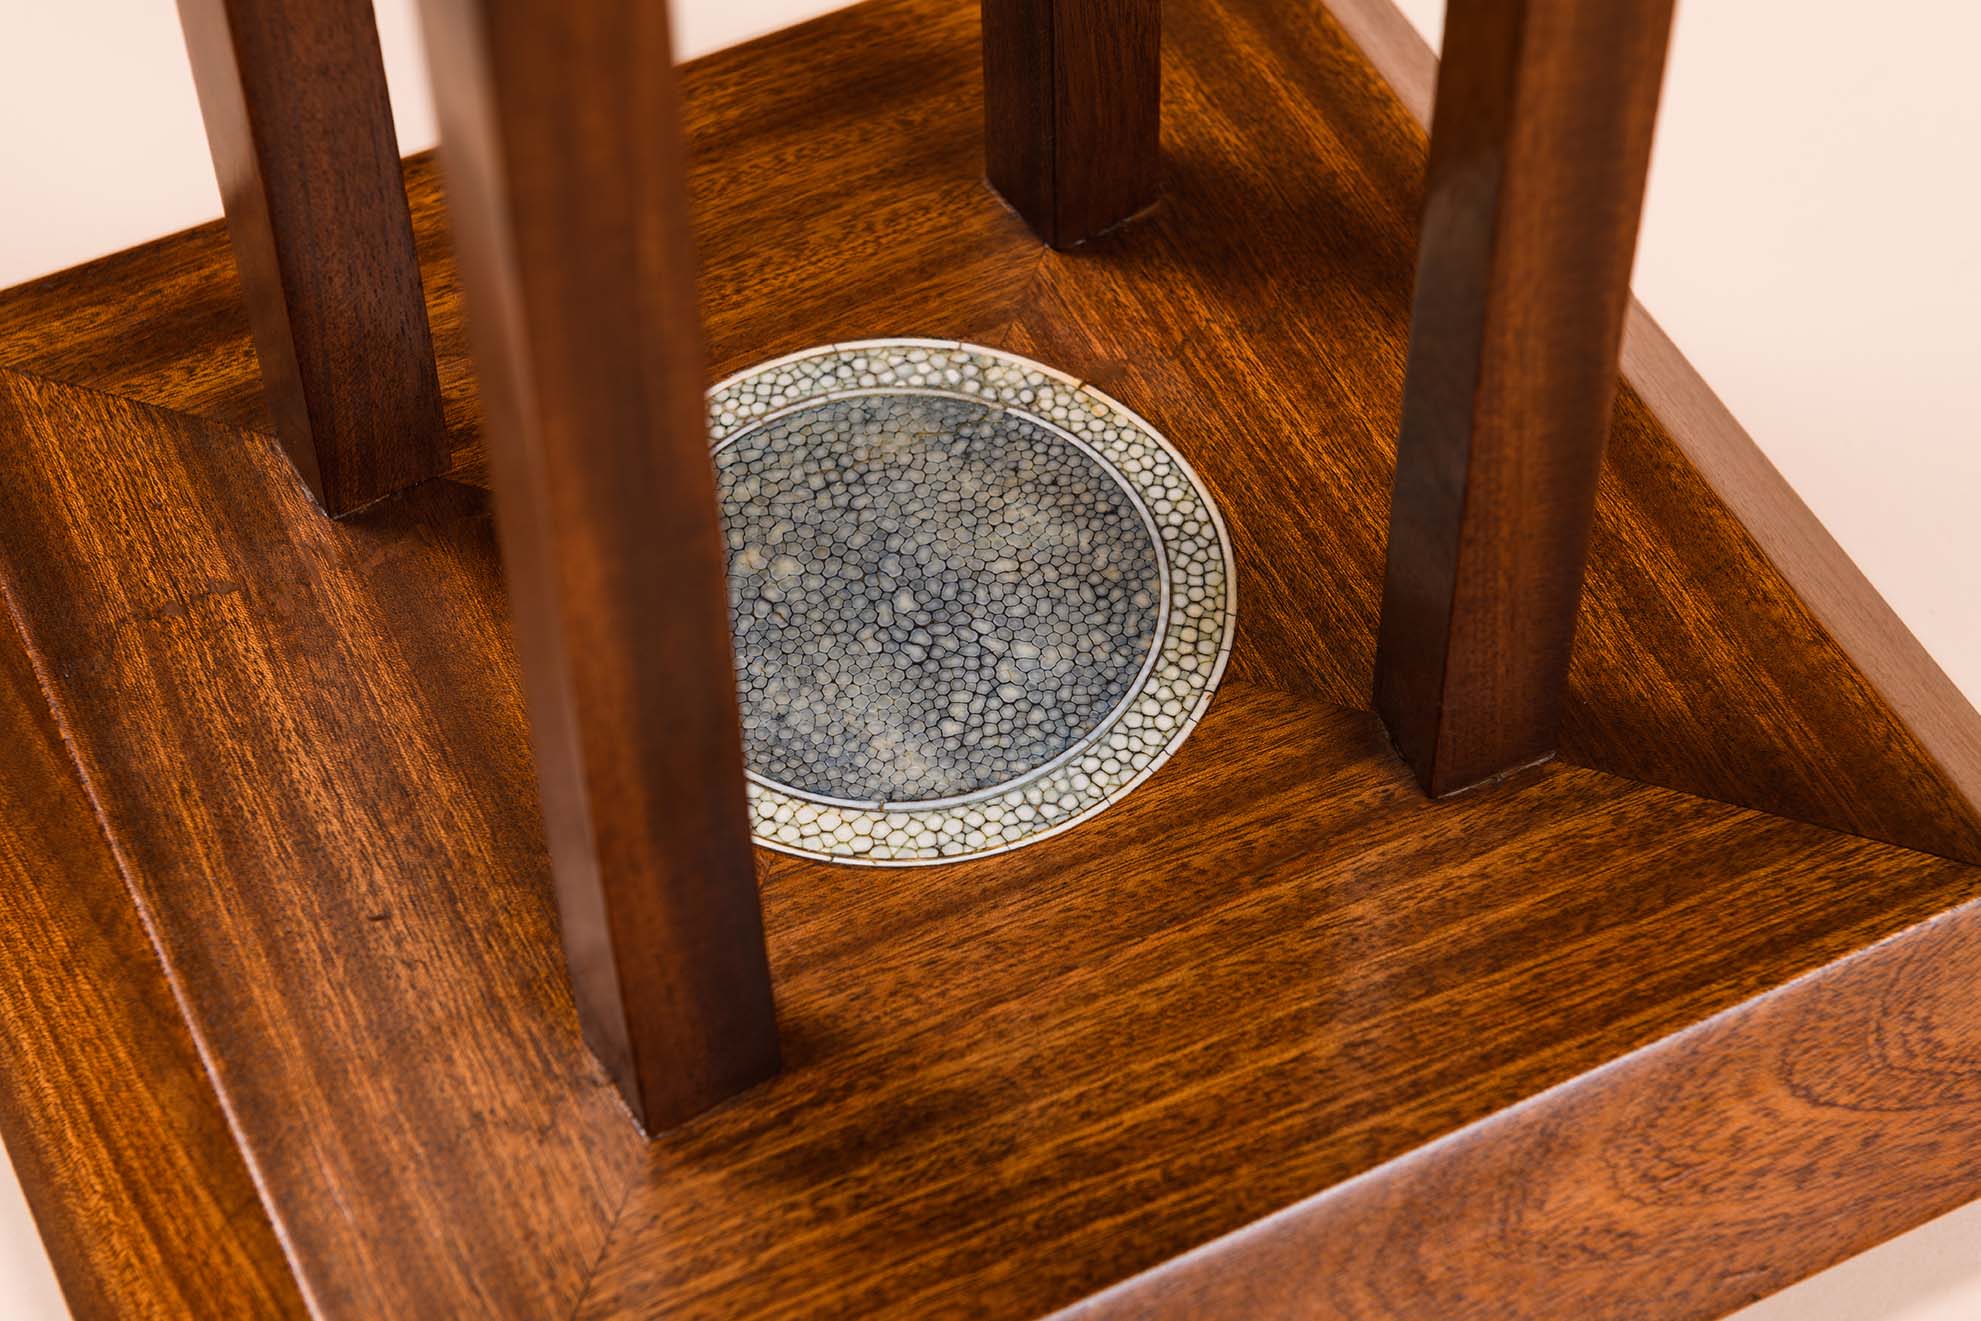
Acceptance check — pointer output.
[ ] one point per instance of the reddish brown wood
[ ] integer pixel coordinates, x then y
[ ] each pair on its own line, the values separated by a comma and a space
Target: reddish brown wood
1779, 531
387, 1018
1611, 1196
110, 1120
1073, 110
1011, 1083
1272, 968
562, 143
298, 120
1717, 732
1777, 678
1539, 147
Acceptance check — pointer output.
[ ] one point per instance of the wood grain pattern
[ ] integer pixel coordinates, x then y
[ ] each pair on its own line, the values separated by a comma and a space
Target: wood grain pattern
300, 127
576, 253
1615, 1195
109, 1119
1073, 111
891, 165
1697, 664
166, 323
1780, 536
318, 779
1135, 1050
1534, 190
1686, 451
1008, 1083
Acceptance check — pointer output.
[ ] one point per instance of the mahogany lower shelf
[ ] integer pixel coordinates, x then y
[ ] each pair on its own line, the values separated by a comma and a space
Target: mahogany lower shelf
285, 1022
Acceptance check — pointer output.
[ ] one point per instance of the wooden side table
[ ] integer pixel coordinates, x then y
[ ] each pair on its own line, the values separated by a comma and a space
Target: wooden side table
1565, 907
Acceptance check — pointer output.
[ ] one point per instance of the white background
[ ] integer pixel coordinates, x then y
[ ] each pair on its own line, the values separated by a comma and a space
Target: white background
1807, 242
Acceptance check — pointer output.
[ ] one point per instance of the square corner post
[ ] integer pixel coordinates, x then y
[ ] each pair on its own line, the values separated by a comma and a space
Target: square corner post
300, 128
561, 145
1073, 111
1540, 143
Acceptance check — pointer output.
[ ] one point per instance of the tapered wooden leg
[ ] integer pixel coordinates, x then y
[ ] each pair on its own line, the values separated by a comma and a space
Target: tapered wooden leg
1072, 108
1540, 141
293, 94
565, 175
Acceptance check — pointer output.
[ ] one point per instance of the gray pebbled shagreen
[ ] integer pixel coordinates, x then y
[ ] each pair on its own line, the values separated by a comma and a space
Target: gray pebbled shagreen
974, 602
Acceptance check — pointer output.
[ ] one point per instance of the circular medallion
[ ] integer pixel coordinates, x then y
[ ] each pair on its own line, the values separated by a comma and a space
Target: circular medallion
973, 601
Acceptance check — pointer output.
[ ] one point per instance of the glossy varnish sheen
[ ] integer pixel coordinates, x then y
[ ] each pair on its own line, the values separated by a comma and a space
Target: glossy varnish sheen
300, 128
1008, 1084
1535, 183
1072, 111
301, 789
581, 271
1801, 694
1689, 1180
1678, 459
144, 1202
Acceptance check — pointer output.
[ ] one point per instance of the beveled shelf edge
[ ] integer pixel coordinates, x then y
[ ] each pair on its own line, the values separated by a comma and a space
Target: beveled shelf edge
1833, 1131
1686, 1179
1595, 1078
1802, 550
1893, 661
135, 1177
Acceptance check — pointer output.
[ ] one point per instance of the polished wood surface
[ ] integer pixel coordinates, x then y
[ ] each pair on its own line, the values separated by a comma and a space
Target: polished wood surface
1823, 612
307, 744
1008, 1084
1240, 1038
1813, 1093
1539, 149
1799, 694
1073, 111
300, 127
142, 1199
1779, 535
561, 135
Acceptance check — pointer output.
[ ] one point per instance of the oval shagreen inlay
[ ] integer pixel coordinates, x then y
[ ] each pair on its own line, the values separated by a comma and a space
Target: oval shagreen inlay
974, 600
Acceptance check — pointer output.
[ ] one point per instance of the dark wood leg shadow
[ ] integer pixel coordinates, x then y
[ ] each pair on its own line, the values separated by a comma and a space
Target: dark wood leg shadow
1072, 111
1539, 147
297, 117
561, 143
